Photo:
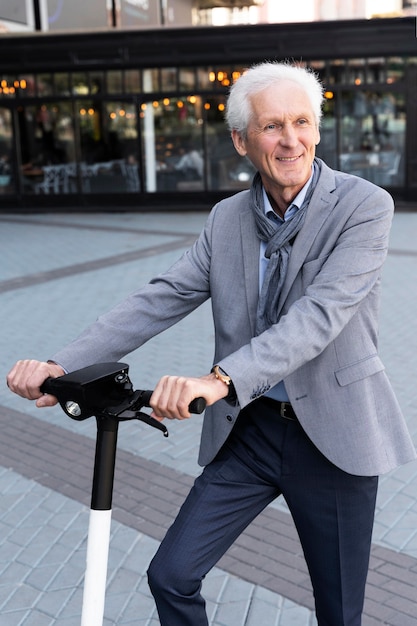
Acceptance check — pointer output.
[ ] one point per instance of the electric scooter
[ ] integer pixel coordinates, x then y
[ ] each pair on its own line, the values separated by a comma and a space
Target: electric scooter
105, 391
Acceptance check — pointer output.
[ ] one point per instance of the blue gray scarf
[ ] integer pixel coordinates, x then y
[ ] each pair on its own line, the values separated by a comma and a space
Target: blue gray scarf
278, 249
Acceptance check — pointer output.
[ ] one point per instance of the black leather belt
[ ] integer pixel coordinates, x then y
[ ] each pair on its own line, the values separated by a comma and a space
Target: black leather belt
284, 409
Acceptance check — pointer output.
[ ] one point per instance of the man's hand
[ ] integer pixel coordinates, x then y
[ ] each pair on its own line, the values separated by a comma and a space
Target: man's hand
26, 377
173, 394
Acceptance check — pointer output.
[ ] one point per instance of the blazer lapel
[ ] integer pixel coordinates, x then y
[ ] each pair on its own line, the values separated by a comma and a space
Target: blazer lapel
321, 205
250, 254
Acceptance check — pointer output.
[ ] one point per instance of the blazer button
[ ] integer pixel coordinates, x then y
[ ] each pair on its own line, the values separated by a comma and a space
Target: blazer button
229, 418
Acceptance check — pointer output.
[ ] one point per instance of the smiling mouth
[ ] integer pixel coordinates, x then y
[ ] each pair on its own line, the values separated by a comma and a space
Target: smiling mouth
288, 159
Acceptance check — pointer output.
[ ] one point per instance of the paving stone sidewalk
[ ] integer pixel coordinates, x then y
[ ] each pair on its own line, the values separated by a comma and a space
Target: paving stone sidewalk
58, 272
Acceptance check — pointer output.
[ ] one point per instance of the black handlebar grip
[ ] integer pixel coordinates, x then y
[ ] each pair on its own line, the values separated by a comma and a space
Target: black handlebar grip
48, 386
197, 405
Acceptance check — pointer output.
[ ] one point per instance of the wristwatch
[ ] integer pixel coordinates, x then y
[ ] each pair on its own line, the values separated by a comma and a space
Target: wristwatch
221, 375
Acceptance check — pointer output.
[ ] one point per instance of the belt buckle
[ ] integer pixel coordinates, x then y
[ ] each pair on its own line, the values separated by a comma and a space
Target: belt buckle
284, 408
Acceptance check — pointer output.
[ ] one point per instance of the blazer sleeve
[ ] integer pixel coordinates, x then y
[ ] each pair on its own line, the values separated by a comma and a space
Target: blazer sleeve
161, 303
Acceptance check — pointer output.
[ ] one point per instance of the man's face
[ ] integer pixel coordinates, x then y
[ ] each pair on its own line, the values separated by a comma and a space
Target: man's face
281, 139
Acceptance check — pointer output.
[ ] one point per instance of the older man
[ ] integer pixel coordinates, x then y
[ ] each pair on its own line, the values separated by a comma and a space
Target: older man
299, 402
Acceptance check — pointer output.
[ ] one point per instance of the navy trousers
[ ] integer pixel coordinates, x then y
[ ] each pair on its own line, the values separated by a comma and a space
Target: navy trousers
267, 456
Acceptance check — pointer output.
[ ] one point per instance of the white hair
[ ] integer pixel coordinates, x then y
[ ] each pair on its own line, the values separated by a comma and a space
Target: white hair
259, 77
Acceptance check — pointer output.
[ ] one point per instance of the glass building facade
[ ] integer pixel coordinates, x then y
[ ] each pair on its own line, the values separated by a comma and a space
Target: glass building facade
119, 130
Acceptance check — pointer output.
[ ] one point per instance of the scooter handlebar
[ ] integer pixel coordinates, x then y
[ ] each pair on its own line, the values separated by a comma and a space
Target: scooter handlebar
91, 386
197, 405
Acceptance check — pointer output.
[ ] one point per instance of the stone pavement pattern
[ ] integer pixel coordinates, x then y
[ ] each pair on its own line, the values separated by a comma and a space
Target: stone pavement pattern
58, 272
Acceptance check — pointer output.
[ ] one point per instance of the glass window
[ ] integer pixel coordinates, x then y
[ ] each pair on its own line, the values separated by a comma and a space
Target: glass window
115, 81
355, 72
7, 177
132, 81
172, 135
319, 67
45, 84
109, 148
15, 86
227, 170
80, 84
150, 80
97, 83
203, 78
47, 149
62, 87
27, 85
7, 86
336, 72
169, 78
376, 70
372, 136
327, 148
395, 69
221, 77
187, 79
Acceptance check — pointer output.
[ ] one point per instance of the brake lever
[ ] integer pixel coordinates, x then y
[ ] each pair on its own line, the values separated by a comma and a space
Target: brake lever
142, 398
143, 417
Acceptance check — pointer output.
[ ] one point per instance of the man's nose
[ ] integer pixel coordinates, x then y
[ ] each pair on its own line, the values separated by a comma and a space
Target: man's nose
289, 136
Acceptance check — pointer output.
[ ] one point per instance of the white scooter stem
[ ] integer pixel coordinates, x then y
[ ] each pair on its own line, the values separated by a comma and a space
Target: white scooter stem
96, 568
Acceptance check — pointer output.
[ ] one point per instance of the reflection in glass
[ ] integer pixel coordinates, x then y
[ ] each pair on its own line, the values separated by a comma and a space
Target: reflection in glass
172, 135
182, 143
228, 169
115, 81
47, 148
45, 84
7, 179
132, 81
376, 70
203, 80
80, 84
97, 83
187, 79
327, 148
150, 79
169, 78
187, 146
27, 85
372, 136
108, 139
395, 69
62, 87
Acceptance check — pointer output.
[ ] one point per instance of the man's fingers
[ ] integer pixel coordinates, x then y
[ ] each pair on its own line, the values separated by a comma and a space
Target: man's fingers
171, 398
26, 377
46, 400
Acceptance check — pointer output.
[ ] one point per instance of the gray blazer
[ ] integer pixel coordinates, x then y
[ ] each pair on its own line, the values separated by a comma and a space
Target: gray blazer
325, 344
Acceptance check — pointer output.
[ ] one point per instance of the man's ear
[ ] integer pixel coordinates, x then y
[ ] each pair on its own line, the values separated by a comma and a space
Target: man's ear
239, 143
